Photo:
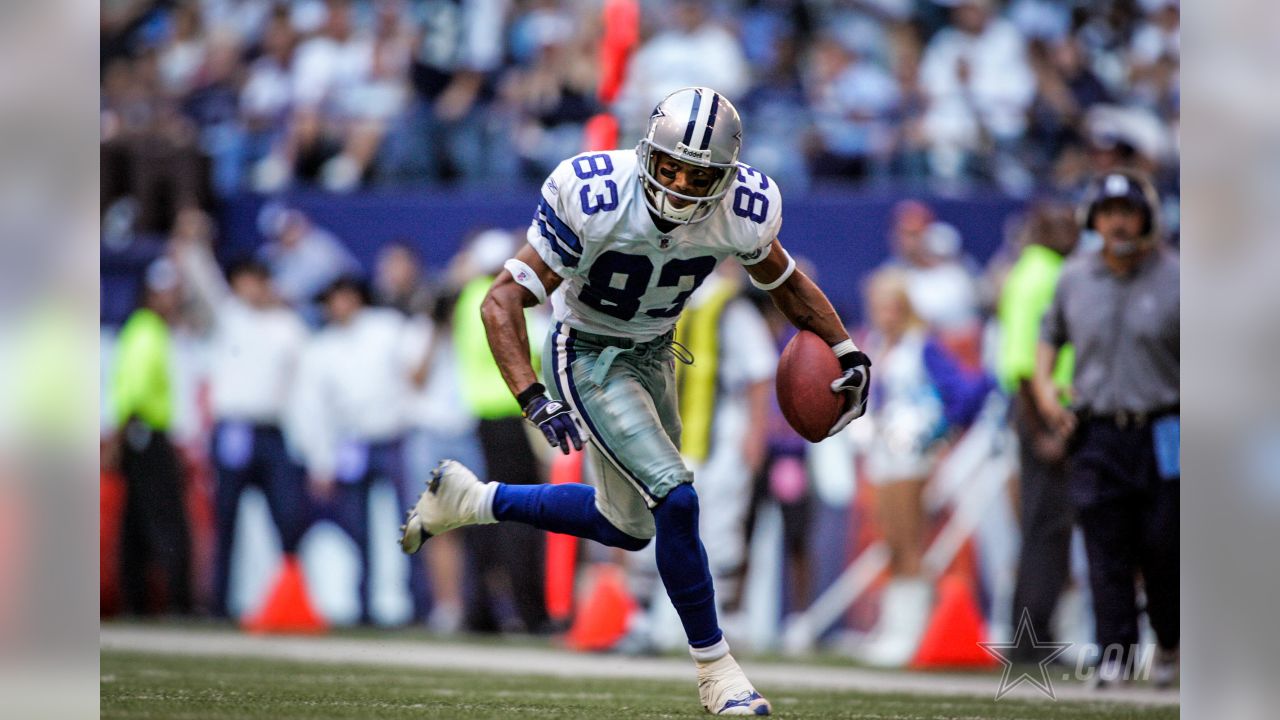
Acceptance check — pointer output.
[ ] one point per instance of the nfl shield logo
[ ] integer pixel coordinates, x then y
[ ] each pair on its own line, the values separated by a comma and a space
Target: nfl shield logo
664, 241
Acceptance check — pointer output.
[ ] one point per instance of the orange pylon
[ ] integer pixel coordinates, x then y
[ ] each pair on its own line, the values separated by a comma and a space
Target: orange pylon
952, 637
603, 616
288, 608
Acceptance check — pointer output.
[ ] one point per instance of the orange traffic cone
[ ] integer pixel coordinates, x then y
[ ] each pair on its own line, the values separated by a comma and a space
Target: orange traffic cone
288, 608
562, 550
603, 616
954, 631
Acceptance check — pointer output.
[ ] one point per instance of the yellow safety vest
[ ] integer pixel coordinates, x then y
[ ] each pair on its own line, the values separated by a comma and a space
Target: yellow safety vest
483, 390
699, 330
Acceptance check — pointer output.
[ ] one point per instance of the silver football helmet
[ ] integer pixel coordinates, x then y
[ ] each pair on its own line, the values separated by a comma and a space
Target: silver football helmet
699, 126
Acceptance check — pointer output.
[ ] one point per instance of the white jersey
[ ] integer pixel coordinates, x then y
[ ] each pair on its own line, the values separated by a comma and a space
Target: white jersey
622, 276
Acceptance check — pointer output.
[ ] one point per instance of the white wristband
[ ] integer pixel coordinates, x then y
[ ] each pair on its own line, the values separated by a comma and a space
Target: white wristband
844, 347
791, 267
525, 277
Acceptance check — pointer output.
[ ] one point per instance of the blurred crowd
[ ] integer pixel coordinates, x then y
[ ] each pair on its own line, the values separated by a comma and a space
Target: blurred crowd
298, 372
205, 98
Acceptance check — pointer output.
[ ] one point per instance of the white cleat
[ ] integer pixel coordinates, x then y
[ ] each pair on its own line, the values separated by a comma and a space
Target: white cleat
454, 497
725, 690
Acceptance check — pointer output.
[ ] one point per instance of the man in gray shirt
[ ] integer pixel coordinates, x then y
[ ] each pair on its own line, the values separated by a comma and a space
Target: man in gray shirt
1120, 309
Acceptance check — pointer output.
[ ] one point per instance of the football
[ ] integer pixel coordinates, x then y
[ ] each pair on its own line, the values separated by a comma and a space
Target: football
805, 372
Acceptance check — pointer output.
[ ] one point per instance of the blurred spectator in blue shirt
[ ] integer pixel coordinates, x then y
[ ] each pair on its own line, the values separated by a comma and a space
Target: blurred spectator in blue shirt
853, 104
266, 95
979, 84
303, 257
1066, 89
775, 112
450, 133
212, 102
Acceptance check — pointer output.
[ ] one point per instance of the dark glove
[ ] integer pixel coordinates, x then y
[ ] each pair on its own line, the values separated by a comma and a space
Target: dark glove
553, 418
856, 381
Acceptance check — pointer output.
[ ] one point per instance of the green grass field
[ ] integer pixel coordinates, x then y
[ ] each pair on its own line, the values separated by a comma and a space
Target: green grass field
137, 685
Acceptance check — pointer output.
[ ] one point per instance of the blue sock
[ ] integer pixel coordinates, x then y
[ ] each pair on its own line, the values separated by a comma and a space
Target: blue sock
682, 563
569, 508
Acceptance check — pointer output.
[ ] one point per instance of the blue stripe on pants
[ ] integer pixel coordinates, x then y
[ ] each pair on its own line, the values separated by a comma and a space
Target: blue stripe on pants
562, 367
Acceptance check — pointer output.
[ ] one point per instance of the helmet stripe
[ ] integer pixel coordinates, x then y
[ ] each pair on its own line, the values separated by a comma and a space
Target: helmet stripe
711, 122
693, 117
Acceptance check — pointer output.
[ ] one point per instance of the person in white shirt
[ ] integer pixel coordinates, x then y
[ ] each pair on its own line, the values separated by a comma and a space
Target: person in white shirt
255, 344
438, 423
182, 56
347, 413
439, 426
663, 65
979, 84
943, 289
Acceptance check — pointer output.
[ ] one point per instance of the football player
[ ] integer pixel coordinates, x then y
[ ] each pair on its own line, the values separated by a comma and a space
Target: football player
618, 243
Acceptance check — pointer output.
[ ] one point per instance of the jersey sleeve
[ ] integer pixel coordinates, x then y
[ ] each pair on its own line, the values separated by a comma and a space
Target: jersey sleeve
756, 210
556, 229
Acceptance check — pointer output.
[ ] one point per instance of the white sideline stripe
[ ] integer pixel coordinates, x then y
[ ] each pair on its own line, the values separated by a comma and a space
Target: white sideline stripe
772, 678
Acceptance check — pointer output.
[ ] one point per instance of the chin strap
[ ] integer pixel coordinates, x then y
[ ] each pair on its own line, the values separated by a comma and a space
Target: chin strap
677, 215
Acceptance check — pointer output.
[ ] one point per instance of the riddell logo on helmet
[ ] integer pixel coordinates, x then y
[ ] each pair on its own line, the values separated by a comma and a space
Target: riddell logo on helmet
689, 153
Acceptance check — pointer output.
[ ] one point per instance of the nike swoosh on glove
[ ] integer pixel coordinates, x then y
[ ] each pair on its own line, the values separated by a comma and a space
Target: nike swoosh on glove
555, 421
856, 381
